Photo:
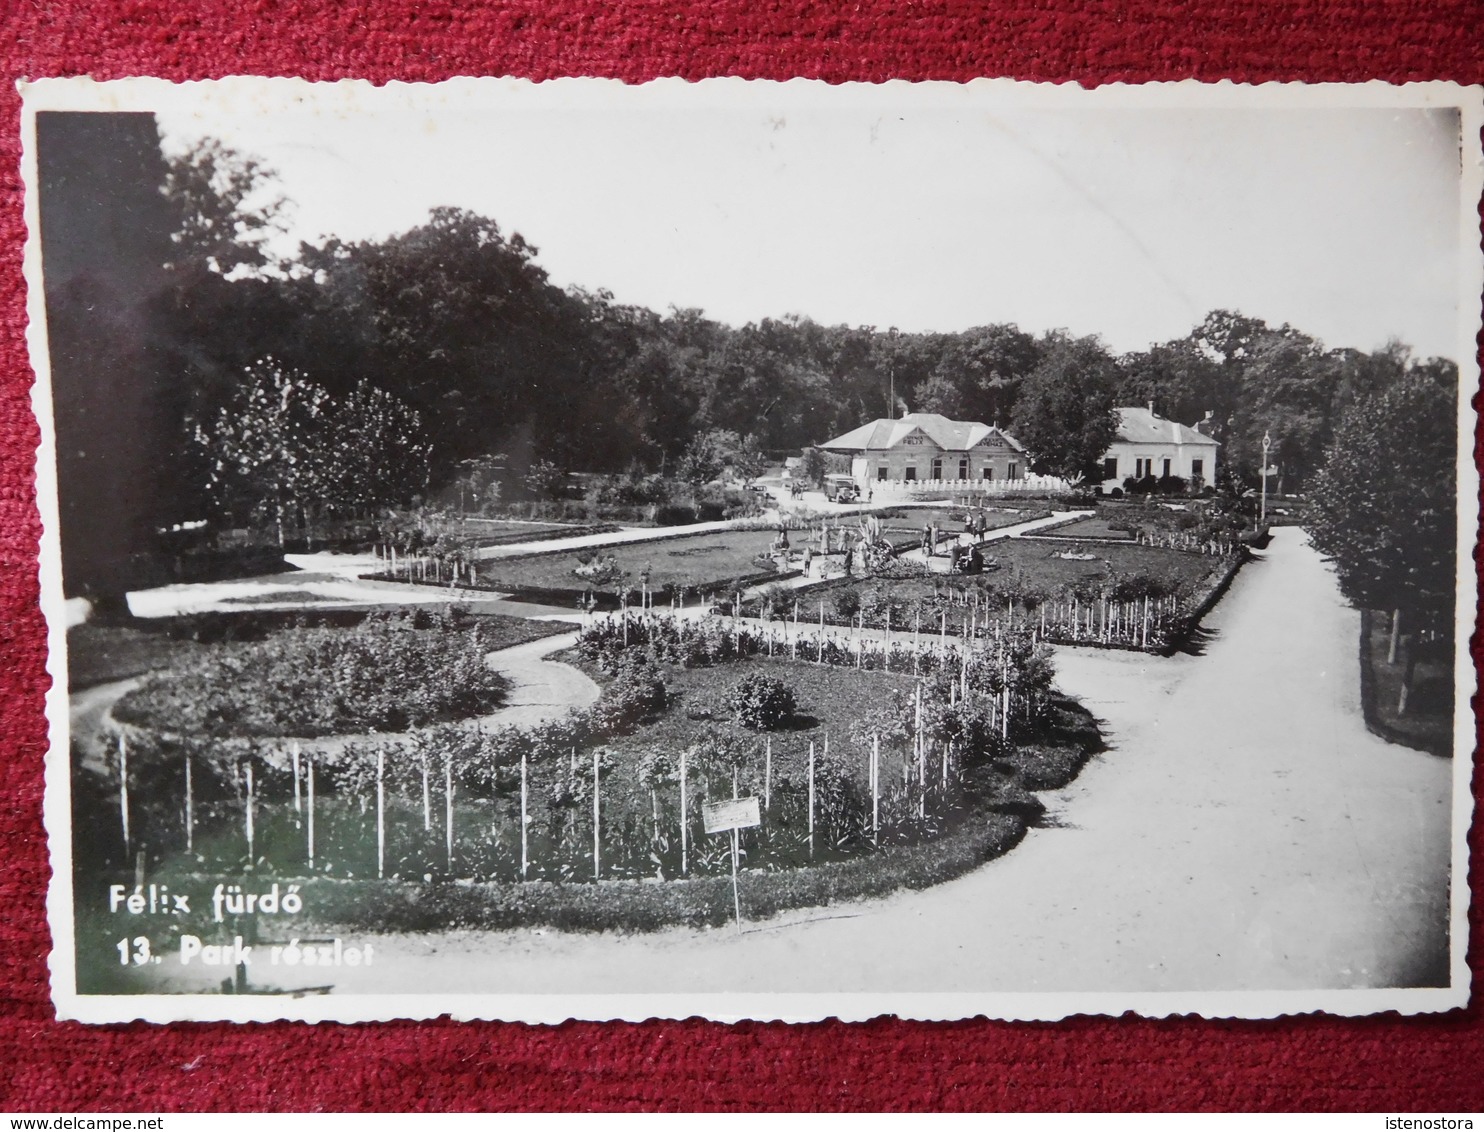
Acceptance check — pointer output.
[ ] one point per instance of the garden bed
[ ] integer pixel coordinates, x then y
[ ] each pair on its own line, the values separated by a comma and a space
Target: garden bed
1089, 527
1030, 585
349, 899
389, 673
686, 564
610, 792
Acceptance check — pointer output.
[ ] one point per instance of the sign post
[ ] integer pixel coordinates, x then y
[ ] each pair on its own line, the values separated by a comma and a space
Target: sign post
730, 816
1266, 444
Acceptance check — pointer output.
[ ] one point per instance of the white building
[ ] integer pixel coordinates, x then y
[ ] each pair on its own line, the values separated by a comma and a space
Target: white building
1150, 445
927, 448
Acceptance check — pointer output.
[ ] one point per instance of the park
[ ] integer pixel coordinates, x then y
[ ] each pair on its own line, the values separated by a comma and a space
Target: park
472, 607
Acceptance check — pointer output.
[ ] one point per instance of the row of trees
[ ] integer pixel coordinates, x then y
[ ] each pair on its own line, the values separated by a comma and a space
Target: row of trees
458, 324
1384, 509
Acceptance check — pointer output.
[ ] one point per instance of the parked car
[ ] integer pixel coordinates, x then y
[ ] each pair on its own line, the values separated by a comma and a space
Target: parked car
840, 489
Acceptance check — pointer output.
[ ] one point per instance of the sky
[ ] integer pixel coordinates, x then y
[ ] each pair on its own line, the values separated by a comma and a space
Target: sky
936, 214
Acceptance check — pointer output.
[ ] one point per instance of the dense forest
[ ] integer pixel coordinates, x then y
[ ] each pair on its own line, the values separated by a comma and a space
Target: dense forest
191, 367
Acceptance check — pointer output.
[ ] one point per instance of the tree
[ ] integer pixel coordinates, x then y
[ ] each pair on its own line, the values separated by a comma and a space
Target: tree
283, 446
227, 208
1384, 501
707, 455
269, 449
813, 466
105, 234
378, 455
748, 460
940, 394
545, 480
1064, 413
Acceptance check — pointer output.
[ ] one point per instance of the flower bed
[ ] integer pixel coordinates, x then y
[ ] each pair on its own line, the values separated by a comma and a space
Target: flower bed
865, 761
348, 898
391, 672
1120, 595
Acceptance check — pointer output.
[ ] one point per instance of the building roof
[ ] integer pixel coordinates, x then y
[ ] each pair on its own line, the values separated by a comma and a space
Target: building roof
951, 436
1143, 426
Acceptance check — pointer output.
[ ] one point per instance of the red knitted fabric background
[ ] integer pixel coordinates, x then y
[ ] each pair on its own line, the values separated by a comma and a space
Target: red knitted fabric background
1383, 1063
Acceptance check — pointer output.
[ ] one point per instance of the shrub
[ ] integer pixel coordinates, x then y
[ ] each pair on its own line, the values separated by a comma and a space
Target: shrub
845, 603
636, 693
762, 703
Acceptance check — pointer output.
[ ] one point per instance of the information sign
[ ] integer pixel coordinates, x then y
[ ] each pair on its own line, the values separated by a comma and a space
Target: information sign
734, 813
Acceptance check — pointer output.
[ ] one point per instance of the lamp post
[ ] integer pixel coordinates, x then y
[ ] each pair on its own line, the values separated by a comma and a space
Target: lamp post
1266, 443
891, 365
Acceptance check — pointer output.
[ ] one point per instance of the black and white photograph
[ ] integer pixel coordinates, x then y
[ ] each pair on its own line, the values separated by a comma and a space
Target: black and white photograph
755, 550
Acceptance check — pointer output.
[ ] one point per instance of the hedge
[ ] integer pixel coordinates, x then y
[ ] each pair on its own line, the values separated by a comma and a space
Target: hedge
387, 906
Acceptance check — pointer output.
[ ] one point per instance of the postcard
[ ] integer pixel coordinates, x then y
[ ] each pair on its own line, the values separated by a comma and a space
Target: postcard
755, 550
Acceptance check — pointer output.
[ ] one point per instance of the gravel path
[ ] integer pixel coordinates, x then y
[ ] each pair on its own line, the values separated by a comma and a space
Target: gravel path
540, 689
1244, 832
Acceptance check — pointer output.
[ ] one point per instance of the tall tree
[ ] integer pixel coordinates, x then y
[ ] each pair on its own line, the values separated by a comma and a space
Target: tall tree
105, 239
1384, 501
271, 450
227, 208
1064, 414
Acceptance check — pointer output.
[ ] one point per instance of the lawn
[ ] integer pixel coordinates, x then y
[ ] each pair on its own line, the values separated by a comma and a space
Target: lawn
1030, 570
830, 700
692, 562
100, 654
1036, 567
1094, 526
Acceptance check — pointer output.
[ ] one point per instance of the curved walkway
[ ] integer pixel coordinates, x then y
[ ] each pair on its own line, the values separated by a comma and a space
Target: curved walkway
540, 689
1244, 832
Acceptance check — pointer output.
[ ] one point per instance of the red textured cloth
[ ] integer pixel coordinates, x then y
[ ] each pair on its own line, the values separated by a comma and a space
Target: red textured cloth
1307, 1063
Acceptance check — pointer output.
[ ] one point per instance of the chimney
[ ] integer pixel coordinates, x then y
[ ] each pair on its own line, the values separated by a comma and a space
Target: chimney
1151, 406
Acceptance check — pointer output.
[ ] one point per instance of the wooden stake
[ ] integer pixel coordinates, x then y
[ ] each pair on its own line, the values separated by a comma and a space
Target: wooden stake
124, 790
248, 815
523, 860
875, 789
294, 754
190, 806
427, 798
309, 807
736, 893
448, 809
811, 799
380, 812
768, 774
597, 814
684, 846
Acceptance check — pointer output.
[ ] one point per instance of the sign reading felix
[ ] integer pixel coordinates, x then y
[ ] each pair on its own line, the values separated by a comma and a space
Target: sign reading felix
735, 813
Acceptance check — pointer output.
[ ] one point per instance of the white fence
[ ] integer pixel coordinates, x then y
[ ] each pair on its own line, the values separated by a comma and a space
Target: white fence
879, 490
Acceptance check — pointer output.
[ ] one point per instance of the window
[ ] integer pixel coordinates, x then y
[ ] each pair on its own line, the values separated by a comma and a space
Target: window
1167, 469
1142, 468
909, 472
1198, 471
938, 469
987, 472
1012, 471
881, 471
1110, 468
963, 468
